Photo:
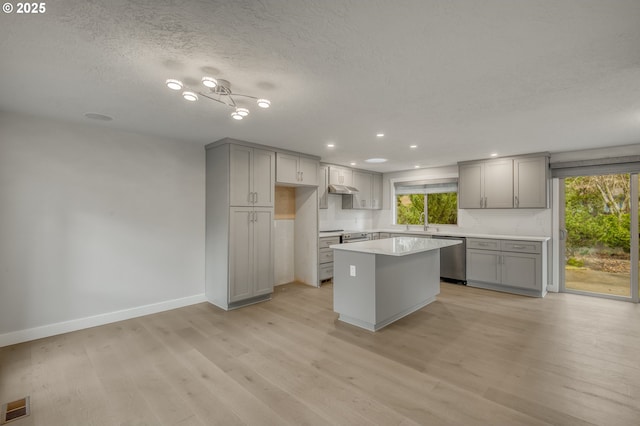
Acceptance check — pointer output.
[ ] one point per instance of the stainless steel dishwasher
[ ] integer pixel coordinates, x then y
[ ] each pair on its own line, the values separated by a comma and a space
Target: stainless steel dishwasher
453, 260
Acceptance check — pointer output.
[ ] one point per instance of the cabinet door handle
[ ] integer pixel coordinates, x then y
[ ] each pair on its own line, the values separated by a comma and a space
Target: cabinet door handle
481, 199
255, 216
301, 176
517, 202
485, 202
518, 247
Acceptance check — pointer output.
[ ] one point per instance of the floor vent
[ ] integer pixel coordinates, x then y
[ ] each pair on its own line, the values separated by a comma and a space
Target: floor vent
15, 410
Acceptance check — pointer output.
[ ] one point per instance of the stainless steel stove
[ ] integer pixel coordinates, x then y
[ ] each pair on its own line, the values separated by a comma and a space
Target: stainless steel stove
354, 237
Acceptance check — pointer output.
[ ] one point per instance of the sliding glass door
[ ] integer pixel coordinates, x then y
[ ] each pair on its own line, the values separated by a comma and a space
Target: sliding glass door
599, 229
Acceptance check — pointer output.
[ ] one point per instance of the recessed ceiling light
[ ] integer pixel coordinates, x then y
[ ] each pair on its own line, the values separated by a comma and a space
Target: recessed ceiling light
495, 154
376, 160
353, 163
330, 145
416, 167
380, 135
413, 146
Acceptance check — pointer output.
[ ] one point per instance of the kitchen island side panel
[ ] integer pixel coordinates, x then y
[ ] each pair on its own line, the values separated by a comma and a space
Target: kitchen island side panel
354, 297
217, 226
405, 284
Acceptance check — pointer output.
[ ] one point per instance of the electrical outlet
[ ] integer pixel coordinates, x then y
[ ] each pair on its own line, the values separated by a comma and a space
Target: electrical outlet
352, 270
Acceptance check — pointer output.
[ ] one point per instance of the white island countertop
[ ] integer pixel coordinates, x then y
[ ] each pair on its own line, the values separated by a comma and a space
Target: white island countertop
397, 246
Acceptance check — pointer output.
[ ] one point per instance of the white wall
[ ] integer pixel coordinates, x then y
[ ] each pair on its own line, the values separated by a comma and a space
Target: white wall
95, 225
334, 217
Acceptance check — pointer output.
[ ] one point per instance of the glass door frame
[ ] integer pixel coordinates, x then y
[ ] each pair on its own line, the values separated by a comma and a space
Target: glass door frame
634, 254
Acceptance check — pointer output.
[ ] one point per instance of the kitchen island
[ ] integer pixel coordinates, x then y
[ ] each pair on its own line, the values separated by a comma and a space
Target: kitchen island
378, 282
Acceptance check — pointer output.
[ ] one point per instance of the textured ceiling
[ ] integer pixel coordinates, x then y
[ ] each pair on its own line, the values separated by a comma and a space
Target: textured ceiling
460, 79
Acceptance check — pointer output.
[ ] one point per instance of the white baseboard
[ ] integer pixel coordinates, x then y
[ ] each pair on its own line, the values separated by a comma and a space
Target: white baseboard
93, 321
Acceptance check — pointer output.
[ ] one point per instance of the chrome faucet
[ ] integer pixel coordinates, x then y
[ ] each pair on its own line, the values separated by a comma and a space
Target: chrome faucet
423, 218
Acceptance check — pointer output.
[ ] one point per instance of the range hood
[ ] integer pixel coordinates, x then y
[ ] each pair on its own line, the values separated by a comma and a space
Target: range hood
342, 189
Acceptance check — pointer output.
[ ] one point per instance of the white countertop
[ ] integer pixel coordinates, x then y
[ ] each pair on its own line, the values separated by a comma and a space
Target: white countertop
397, 246
446, 232
462, 233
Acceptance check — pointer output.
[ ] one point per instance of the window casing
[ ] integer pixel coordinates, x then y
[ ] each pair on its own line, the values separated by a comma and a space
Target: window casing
438, 199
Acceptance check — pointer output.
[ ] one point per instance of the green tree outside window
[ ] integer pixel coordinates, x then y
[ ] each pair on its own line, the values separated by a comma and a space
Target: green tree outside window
442, 209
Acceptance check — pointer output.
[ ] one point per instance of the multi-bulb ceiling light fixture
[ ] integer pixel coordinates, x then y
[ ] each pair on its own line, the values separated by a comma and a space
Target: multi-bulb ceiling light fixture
219, 91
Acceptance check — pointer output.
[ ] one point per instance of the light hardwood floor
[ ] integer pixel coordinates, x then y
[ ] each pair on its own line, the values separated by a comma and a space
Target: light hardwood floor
473, 357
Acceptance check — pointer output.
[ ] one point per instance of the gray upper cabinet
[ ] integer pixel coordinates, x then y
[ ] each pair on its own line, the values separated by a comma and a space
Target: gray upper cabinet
323, 190
251, 176
296, 170
308, 171
287, 168
498, 184
362, 181
471, 186
369, 195
530, 182
340, 176
503, 183
376, 191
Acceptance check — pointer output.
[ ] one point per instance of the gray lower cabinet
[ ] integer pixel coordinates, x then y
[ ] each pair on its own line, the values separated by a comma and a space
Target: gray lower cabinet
325, 257
507, 265
250, 253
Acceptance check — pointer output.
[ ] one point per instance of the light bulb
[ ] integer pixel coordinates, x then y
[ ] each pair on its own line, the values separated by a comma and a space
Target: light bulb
174, 84
190, 96
236, 115
210, 82
264, 103
242, 112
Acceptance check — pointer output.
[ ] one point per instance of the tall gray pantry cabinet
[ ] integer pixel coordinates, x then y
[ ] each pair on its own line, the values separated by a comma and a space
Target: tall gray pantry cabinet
240, 188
